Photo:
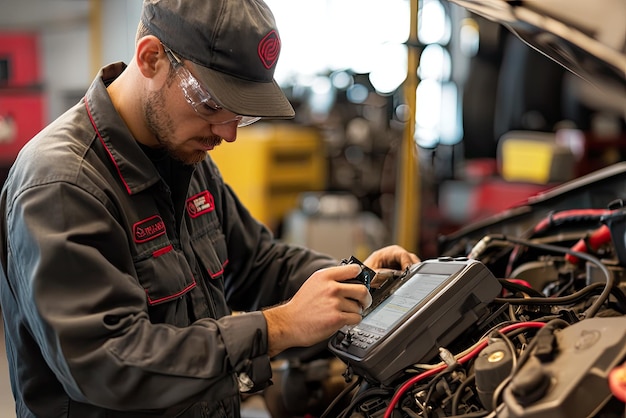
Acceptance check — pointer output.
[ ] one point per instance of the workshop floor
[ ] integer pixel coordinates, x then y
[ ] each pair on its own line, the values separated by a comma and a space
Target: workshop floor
254, 407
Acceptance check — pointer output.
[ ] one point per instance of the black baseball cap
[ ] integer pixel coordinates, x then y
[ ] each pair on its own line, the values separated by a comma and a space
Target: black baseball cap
232, 47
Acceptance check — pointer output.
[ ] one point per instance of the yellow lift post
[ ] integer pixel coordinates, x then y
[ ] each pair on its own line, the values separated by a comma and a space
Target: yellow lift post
408, 213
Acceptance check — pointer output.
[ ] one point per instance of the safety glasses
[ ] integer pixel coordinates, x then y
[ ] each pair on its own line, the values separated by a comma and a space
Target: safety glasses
200, 99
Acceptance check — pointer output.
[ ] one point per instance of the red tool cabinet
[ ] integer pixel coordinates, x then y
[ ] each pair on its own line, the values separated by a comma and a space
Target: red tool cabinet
22, 99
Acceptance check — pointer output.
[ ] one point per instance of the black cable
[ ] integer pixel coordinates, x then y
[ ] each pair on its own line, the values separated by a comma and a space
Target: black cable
565, 300
621, 298
561, 300
384, 393
410, 412
510, 346
548, 328
514, 367
433, 383
431, 388
339, 397
595, 307
459, 392
508, 285
477, 414
498, 390
565, 287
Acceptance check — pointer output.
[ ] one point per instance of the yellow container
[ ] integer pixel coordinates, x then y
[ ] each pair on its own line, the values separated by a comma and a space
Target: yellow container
534, 157
270, 165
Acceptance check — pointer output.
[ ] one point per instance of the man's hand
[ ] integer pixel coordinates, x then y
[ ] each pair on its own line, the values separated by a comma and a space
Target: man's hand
320, 307
324, 304
393, 257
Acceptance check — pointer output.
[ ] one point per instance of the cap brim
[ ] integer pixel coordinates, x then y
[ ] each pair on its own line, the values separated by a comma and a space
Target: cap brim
244, 97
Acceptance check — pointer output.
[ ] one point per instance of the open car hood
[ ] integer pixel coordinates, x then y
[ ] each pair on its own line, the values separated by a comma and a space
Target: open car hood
588, 37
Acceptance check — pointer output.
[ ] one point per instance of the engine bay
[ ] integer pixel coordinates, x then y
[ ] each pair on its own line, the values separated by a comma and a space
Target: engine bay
549, 342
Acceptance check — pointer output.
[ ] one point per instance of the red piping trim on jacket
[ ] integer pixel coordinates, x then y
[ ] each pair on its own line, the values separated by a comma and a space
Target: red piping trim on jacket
174, 296
219, 272
93, 123
162, 251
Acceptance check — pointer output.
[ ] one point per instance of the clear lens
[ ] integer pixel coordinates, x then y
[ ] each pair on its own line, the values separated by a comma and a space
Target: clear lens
197, 97
200, 99
248, 120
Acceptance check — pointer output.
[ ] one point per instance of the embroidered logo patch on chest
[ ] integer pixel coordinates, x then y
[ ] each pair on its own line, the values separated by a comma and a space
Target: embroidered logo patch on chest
200, 204
148, 229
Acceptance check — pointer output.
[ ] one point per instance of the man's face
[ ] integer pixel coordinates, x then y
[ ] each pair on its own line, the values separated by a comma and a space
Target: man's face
177, 127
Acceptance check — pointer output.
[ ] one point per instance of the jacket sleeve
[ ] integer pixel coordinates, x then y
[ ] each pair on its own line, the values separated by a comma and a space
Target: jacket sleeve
262, 271
73, 277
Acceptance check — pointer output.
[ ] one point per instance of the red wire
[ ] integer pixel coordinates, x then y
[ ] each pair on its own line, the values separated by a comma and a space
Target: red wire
617, 382
600, 236
574, 213
406, 385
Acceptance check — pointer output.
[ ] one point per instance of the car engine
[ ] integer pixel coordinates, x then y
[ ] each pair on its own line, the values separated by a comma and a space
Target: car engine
551, 343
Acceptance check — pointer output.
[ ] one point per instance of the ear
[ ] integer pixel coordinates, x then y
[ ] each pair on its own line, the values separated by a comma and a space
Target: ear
150, 57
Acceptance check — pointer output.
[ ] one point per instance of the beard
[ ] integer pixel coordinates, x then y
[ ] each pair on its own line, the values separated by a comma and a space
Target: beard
163, 128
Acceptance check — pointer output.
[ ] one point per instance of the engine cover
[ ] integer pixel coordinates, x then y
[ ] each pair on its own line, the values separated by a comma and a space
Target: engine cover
575, 382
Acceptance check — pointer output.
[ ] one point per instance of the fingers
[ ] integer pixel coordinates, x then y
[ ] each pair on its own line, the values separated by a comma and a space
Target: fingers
352, 309
352, 306
382, 275
352, 318
363, 300
355, 292
323, 305
399, 256
343, 273
392, 256
407, 259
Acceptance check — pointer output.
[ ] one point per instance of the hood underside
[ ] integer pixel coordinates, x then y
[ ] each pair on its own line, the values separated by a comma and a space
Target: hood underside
586, 37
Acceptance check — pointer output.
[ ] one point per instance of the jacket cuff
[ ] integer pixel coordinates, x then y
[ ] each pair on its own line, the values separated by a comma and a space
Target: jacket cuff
245, 338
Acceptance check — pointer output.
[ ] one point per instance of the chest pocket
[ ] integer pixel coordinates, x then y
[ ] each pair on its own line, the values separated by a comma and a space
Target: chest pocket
166, 277
211, 251
207, 238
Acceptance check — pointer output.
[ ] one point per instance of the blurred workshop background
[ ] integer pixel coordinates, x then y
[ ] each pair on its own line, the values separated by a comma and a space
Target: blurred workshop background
413, 118
409, 124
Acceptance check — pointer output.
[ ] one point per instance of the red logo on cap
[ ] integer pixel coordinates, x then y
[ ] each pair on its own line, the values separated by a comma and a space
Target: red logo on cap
269, 49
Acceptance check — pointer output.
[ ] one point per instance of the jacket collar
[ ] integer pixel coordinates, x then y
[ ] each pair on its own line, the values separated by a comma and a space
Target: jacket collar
135, 169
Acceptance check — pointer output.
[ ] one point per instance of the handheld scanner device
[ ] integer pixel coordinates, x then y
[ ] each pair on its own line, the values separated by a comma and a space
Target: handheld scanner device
427, 307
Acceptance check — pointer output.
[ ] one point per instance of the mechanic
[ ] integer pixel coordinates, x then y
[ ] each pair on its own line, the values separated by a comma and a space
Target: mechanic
124, 253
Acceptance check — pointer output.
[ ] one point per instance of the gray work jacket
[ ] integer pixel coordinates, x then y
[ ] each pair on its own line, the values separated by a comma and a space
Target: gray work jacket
117, 289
